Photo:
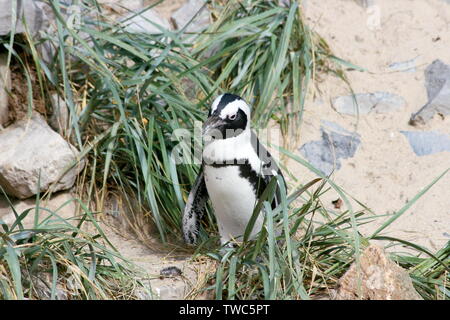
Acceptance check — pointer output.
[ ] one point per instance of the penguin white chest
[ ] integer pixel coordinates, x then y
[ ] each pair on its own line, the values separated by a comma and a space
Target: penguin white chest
233, 199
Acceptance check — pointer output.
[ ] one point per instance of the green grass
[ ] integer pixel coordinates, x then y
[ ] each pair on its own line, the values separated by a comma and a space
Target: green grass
143, 87
46, 256
316, 247
267, 54
127, 93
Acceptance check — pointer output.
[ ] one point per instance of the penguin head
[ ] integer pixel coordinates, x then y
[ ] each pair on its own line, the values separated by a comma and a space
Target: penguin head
229, 117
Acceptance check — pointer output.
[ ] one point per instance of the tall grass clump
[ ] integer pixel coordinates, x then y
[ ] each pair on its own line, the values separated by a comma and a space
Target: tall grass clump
266, 53
128, 92
304, 249
46, 256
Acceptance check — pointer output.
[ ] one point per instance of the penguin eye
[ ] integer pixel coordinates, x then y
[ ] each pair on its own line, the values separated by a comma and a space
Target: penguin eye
232, 117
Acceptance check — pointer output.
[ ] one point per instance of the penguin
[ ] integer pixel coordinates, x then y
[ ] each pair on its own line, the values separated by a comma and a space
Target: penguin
235, 170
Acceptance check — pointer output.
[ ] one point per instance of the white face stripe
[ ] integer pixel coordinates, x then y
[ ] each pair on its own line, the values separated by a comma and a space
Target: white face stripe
233, 107
216, 103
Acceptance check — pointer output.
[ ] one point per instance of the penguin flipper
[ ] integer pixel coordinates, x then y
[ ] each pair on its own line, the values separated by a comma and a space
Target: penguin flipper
194, 209
270, 169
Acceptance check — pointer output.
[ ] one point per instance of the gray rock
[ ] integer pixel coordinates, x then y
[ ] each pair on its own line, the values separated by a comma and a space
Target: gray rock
28, 10
404, 66
30, 148
437, 82
145, 291
364, 103
59, 120
429, 142
146, 22
337, 143
184, 15
5, 86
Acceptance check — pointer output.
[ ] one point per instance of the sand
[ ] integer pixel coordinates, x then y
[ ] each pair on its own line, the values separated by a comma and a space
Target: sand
385, 173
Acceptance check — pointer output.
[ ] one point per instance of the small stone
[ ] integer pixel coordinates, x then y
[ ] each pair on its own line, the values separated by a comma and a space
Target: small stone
59, 120
32, 155
428, 142
337, 203
404, 66
5, 87
379, 278
337, 143
186, 13
365, 103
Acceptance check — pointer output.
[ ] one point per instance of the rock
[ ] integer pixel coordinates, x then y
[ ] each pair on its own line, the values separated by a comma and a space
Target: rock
42, 285
144, 292
437, 82
145, 22
183, 16
29, 148
170, 291
380, 279
337, 143
404, 66
28, 10
428, 142
380, 102
59, 120
5, 86
59, 203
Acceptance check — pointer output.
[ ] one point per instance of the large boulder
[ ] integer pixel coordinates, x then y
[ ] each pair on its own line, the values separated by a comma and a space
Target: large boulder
32, 155
378, 278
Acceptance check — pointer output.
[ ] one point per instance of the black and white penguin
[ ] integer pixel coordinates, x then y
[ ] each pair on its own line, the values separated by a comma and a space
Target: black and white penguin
235, 171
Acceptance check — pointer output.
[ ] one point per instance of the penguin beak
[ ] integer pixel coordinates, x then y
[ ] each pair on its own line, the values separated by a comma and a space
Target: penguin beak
212, 123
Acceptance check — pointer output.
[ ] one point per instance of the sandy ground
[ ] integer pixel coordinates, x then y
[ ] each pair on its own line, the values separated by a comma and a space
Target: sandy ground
385, 173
